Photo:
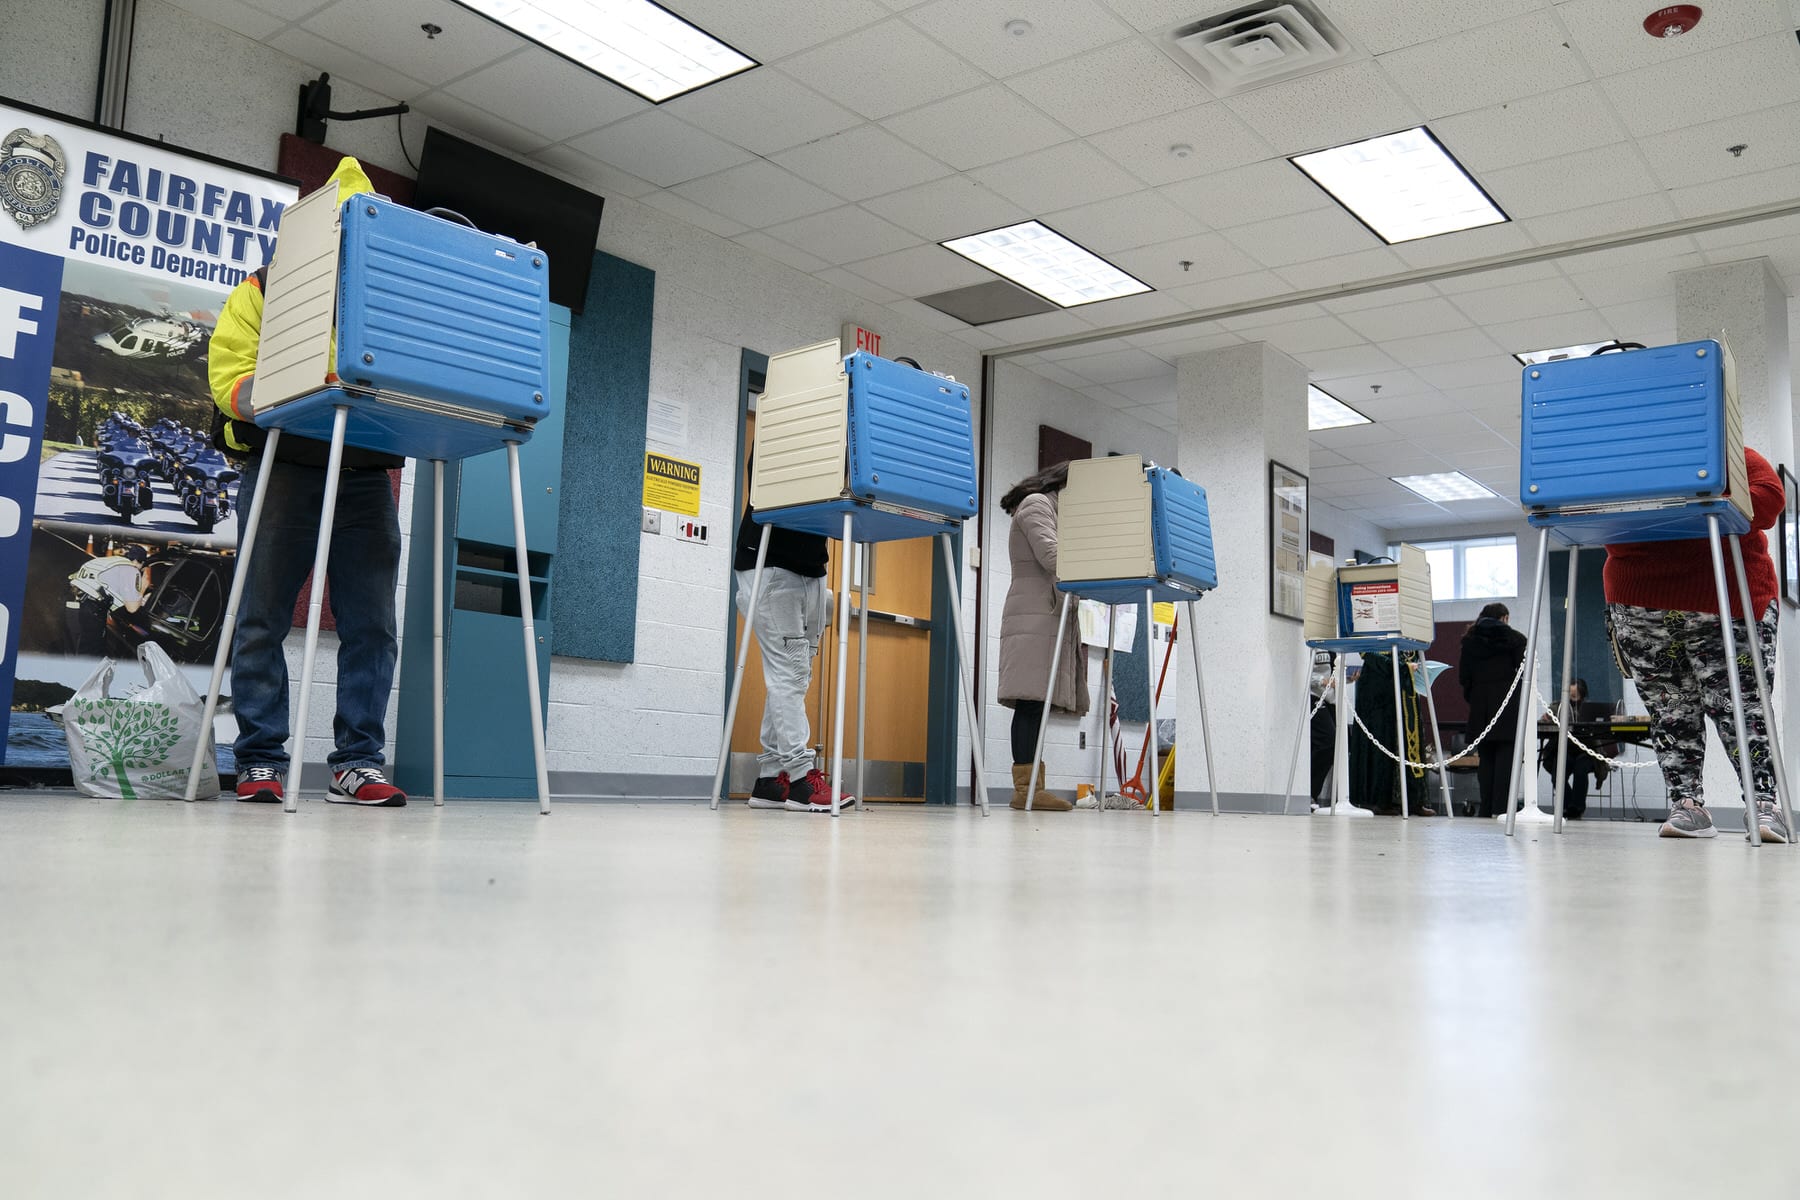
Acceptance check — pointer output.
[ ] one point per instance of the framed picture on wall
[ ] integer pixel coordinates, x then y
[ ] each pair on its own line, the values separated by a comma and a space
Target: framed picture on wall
1787, 539
1290, 541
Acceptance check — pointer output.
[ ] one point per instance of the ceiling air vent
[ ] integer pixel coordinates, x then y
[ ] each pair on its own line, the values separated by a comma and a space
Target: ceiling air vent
1252, 45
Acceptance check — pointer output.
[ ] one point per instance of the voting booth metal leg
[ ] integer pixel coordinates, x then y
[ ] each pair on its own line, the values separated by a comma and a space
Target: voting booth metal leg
1037, 757
1106, 678
321, 560
737, 676
862, 682
437, 632
1523, 751
228, 630
1731, 677
1306, 666
531, 667
1782, 791
1562, 710
845, 547
1150, 684
1400, 738
1340, 750
1437, 738
1212, 779
965, 668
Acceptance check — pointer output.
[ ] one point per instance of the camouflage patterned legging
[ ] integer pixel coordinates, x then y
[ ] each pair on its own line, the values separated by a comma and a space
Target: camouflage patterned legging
1677, 660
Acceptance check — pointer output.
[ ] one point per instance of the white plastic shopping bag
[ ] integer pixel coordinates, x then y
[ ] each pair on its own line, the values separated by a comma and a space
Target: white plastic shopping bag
137, 746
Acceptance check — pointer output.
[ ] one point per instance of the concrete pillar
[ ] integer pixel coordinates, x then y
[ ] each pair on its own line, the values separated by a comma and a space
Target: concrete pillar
1746, 303
1236, 409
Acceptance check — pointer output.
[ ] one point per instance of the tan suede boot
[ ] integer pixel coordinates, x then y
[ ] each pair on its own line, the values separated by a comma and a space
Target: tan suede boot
1043, 801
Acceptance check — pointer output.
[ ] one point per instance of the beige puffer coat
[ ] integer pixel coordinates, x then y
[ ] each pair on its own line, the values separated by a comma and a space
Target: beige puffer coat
1028, 621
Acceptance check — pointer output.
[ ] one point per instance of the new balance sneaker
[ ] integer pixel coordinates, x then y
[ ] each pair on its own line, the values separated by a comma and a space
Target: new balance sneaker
366, 786
259, 785
771, 791
812, 793
1769, 822
1688, 820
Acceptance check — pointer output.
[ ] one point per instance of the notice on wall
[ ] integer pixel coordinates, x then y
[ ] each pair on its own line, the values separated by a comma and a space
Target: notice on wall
667, 421
117, 517
1098, 627
671, 484
1375, 607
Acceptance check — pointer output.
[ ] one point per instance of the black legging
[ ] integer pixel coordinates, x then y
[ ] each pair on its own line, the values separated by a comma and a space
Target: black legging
1028, 717
1492, 774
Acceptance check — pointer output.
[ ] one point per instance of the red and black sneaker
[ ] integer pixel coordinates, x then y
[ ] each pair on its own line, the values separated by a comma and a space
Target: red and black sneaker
813, 794
366, 786
770, 791
259, 785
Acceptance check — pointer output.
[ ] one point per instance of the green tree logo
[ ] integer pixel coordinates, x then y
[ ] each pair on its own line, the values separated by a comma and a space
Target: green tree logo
130, 734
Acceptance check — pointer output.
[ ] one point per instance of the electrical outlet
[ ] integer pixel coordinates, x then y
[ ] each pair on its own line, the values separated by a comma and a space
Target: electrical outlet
652, 521
1083, 740
689, 531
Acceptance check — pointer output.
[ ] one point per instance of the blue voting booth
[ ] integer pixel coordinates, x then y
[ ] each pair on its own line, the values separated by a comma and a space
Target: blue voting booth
1127, 532
408, 333
861, 449
1638, 445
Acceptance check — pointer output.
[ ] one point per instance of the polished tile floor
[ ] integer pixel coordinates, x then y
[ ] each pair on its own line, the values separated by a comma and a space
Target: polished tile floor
624, 1001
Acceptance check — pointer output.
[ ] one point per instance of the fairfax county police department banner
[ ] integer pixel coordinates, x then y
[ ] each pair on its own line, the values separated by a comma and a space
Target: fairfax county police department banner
117, 517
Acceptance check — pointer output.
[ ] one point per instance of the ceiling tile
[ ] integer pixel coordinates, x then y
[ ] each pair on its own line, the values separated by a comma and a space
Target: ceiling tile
1272, 188
921, 271
1036, 328
389, 34
757, 194
1573, 181
1530, 128
763, 111
547, 95
1157, 389
1519, 301
1058, 178
843, 235
480, 122
1406, 320
1699, 154
1230, 289
977, 28
978, 127
947, 208
1521, 56
1610, 33
1305, 336
320, 54
1540, 333
1384, 25
1615, 217
861, 162
1214, 137
1344, 104
883, 69
1435, 348
857, 285
1154, 14
1349, 362
239, 17
1115, 85
1210, 257
1300, 237
1178, 343
1123, 222
686, 210
659, 147
591, 173
1464, 245
1481, 281
772, 29
1707, 87
780, 251
1500, 369
1745, 191
1117, 366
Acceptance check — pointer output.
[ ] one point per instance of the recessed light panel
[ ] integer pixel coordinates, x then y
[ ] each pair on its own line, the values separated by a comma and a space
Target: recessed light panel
1038, 258
1404, 186
1451, 485
1325, 411
1532, 358
638, 45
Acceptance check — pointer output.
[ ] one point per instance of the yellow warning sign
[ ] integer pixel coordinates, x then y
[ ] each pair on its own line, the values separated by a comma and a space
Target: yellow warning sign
1163, 612
671, 484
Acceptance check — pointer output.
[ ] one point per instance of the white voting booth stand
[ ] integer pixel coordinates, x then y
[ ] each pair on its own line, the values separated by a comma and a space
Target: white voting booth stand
1680, 474
861, 449
320, 320
1127, 533
1368, 608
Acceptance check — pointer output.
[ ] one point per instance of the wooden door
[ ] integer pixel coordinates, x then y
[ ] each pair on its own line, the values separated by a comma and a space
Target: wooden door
899, 657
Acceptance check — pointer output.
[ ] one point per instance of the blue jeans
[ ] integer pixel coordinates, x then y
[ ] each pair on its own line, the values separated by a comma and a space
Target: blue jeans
363, 570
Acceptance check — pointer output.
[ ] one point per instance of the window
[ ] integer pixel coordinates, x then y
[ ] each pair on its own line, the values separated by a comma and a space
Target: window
1472, 569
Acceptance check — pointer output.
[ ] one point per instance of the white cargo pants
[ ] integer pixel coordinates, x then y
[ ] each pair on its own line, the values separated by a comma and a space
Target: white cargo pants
790, 618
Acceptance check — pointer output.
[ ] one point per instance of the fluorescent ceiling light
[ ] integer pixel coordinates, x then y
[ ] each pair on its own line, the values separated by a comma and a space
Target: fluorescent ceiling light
1532, 358
1038, 258
638, 45
1451, 485
1403, 186
1326, 411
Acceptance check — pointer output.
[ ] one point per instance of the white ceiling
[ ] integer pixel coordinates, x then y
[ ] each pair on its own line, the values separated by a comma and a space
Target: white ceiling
875, 128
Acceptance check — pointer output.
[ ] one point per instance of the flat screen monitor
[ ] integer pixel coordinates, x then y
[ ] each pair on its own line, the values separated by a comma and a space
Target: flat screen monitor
502, 196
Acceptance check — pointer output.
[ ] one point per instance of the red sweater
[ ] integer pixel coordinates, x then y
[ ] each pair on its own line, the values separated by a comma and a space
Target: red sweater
1679, 575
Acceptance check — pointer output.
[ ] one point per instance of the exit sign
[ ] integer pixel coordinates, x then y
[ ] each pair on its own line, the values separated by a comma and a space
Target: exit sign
857, 338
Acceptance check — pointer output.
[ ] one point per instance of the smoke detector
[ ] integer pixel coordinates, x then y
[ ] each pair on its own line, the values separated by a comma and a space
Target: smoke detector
1251, 45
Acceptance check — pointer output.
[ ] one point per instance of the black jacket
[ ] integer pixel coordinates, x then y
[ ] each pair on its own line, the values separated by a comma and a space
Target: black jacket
801, 553
1491, 653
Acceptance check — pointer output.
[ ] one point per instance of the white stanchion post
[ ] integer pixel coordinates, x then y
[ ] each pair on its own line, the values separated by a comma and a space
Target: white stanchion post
437, 632
862, 682
737, 676
1150, 684
1037, 757
1783, 792
228, 630
1340, 752
538, 753
321, 560
966, 670
1106, 681
1400, 737
1306, 666
1212, 778
1751, 831
1524, 745
1437, 738
1564, 715
845, 547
